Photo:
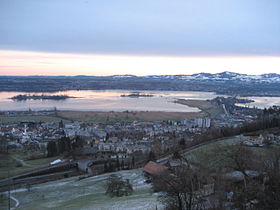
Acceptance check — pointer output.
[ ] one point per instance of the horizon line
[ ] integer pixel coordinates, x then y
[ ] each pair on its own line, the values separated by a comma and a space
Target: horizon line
132, 75
26, 63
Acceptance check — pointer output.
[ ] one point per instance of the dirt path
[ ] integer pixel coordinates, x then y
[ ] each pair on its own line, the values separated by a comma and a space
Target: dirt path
16, 200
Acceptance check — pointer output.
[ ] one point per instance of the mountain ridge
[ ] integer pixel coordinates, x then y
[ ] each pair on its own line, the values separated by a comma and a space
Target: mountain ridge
222, 76
226, 83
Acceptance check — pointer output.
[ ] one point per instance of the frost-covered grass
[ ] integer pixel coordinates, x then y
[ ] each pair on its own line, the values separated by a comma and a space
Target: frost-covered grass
213, 153
216, 154
210, 146
4, 202
87, 193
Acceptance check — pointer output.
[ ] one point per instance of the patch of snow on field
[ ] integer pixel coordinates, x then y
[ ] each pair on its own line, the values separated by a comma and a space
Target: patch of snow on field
88, 193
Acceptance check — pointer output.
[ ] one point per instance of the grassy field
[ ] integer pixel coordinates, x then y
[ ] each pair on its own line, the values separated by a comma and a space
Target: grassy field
213, 154
217, 153
17, 162
15, 119
214, 145
8, 166
206, 107
126, 116
4, 202
87, 193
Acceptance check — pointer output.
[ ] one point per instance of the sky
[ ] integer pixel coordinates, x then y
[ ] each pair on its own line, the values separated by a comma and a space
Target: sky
90, 37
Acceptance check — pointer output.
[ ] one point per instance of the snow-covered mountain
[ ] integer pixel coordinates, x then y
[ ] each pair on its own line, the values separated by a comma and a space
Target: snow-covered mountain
227, 83
224, 76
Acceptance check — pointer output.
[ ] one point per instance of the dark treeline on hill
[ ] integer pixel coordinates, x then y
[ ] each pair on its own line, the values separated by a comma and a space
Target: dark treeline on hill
64, 145
55, 148
270, 118
223, 85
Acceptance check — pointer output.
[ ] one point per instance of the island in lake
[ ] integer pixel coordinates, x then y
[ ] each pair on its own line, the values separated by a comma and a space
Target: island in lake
137, 95
40, 97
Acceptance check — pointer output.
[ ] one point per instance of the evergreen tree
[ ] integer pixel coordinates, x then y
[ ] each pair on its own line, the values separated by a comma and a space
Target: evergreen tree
118, 163
61, 125
67, 144
182, 142
152, 156
52, 149
133, 162
79, 141
61, 145
122, 164
105, 167
110, 167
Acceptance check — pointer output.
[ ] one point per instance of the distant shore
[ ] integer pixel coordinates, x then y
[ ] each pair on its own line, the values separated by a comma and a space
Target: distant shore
248, 87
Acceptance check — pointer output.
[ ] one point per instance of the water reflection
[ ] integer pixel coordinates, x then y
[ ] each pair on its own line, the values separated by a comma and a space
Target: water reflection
107, 101
262, 102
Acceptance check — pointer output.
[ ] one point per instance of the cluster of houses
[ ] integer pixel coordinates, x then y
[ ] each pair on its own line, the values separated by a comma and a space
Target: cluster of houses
111, 136
115, 137
103, 141
111, 140
262, 140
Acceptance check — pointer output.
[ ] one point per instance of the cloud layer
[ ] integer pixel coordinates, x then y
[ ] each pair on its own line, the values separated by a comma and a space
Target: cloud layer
157, 27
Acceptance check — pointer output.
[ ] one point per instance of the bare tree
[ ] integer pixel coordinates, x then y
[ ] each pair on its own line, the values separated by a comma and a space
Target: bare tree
182, 188
260, 186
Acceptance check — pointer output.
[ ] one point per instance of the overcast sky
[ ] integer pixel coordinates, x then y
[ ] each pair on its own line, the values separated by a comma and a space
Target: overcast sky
162, 28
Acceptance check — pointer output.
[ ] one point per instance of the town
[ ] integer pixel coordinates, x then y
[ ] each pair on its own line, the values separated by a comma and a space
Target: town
63, 148
98, 147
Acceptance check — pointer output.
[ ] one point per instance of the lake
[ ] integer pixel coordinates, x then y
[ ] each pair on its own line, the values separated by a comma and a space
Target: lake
262, 102
110, 100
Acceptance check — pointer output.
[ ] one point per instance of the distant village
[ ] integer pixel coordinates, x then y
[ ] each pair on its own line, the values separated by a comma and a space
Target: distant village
90, 148
119, 138
98, 147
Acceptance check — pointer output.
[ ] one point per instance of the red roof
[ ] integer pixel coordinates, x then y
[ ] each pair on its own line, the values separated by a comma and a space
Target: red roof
154, 168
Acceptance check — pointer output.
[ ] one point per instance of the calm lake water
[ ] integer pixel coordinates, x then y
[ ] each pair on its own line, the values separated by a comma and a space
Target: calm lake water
106, 101
263, 102
111, 101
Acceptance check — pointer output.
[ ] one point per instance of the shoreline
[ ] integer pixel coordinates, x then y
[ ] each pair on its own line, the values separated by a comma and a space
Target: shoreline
143, 90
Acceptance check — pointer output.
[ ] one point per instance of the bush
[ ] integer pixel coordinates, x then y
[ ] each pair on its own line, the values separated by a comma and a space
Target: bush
118, 187
19, 164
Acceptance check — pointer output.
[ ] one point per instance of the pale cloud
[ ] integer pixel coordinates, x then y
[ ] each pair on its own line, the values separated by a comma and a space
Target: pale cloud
142, 27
